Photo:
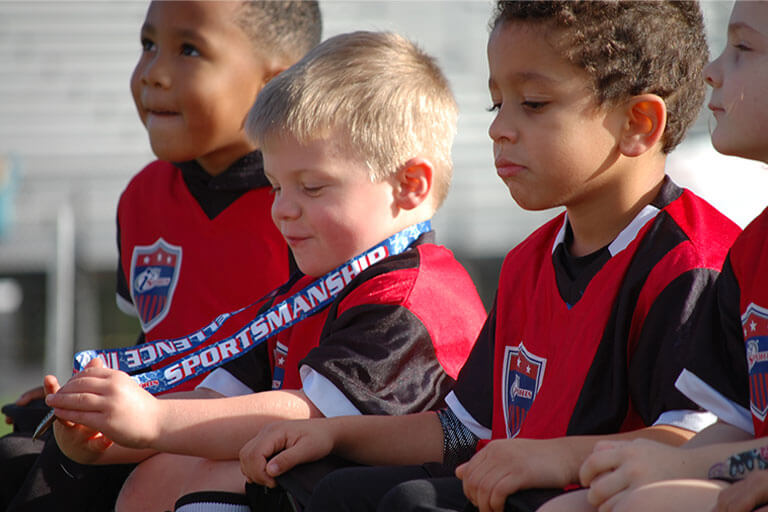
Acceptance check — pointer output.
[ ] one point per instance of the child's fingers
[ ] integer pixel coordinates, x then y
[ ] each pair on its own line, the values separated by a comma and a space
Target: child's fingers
32, 394
299, 453
50, 384
598, 463
605, 489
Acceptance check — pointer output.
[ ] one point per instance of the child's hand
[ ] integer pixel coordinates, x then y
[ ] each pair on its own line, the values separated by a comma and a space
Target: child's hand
506, 466
745, 495
78, 442
294, 442
25, 398
615, 467
109, 401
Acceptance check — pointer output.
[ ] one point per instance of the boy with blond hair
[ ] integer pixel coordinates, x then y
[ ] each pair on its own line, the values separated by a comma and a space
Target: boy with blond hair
356, 139
595, 310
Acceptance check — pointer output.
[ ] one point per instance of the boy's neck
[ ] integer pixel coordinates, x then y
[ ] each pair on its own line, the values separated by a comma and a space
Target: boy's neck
597, 221
217, 164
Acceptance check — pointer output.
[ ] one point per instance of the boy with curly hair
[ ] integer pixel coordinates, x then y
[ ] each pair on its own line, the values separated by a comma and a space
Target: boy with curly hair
594, 311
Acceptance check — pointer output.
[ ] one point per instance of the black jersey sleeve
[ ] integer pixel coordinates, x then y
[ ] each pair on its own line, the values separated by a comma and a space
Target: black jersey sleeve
724, 365
252, 368
474, 385
681, 326
382, 358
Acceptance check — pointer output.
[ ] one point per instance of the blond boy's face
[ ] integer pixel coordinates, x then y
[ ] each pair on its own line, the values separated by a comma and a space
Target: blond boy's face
552, 146
325, 205
195, 81
739, 80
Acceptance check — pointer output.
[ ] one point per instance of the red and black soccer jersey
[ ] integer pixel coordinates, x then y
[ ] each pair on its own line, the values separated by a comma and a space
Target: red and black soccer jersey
392, 342
736, 387
593, 345
193, 246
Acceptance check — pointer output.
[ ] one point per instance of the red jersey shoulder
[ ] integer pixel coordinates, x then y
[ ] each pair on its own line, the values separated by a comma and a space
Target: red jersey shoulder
439, 292
531, 253
709, 231
153, 175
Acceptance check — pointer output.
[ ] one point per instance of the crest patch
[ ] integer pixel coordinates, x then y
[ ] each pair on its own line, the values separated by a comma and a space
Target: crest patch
754, 321
154, 273
523, 374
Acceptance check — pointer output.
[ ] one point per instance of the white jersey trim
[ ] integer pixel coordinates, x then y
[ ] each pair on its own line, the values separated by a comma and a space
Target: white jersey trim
466, 418
629, 233
224, 383
695, 421
710, 399
325, 395
125, 305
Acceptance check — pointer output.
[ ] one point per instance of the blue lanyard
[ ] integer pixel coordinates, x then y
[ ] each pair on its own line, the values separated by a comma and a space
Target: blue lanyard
304, 303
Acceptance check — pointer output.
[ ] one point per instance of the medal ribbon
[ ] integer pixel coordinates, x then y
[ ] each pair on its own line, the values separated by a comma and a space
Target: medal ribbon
304, 303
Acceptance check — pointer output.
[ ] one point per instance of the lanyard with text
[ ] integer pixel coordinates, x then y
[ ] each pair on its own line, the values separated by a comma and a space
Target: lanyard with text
304, 303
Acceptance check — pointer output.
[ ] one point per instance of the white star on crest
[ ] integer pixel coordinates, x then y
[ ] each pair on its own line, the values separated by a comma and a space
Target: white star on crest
753, 325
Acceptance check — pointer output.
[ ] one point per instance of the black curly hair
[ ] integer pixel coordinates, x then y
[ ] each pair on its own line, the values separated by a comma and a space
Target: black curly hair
629, 48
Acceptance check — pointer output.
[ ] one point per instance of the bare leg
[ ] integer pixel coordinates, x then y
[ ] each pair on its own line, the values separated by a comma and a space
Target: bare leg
575, 501
673, 496
216, 475
156, 483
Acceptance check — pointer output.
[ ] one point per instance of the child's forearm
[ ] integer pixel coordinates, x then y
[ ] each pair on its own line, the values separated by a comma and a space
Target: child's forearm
388, 440
218, 428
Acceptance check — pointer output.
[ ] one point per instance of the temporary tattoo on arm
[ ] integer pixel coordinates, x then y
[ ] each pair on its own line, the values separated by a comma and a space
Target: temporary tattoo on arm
739, 466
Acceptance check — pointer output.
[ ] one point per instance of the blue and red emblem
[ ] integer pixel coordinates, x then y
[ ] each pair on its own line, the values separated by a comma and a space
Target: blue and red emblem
154, 273
754, 321
523, 375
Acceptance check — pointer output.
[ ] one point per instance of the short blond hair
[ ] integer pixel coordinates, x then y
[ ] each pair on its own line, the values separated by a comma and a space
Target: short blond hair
384, 99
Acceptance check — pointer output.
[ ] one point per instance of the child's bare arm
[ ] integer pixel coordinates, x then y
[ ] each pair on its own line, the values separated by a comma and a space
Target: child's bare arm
618, 467
376, 440
506, 466
110, 402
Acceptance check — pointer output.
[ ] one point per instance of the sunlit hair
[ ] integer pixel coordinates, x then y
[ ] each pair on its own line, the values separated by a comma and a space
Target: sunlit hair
283, 30
629, 48
378, 97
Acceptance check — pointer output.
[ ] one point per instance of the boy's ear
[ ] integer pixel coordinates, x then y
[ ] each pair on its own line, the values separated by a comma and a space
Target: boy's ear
645, 124
414, 183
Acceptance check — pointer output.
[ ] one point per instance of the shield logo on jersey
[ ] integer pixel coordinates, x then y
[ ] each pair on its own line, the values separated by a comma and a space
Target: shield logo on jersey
523, 374
154, 273
754, 321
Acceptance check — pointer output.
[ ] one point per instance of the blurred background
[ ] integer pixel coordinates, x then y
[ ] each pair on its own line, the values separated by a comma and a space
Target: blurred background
70, 140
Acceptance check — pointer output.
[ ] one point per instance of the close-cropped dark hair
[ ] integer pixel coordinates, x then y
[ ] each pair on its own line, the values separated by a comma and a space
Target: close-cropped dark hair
282, 29
629, 48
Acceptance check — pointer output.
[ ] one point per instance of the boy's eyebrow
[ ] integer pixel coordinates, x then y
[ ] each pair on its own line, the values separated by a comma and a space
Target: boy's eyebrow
523, 77
147, 28
741, 25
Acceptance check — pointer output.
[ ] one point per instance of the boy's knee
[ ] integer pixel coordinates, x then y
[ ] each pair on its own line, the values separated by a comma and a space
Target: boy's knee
410, 496
336, 492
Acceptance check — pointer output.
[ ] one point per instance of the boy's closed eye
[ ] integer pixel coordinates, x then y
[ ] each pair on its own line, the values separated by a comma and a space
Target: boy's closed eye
534, 105
312, 190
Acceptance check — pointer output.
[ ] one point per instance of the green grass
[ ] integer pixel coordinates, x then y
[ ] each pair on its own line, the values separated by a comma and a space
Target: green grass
5, 428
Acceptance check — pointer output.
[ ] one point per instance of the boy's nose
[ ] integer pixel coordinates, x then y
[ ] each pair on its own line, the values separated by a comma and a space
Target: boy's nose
155, 73
283, 208
711, 75
501, 129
